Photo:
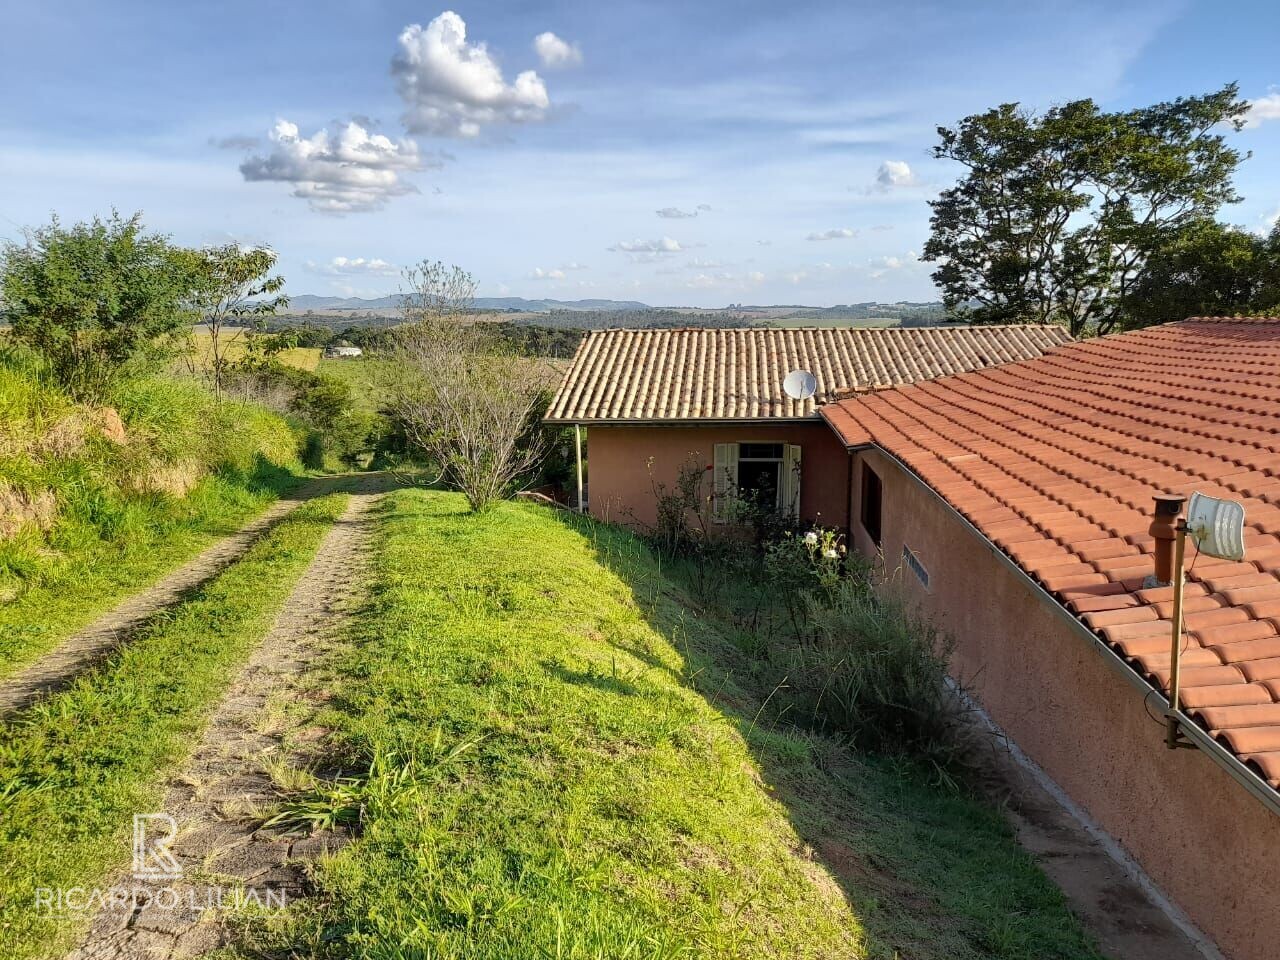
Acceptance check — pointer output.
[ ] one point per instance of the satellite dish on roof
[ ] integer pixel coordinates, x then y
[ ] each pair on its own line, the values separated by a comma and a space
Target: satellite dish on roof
1216, 526
800, 385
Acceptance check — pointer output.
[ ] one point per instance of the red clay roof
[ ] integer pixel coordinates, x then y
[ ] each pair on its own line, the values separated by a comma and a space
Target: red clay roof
1056, 459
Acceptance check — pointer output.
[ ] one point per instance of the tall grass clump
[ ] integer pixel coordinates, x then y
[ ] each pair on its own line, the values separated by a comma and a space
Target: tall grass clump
871, 668
177, 420
828, 637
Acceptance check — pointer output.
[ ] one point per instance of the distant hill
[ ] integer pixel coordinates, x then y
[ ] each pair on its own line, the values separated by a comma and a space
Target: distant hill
307, 301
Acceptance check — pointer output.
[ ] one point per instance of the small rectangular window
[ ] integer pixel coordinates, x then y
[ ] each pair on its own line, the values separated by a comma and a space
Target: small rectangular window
871, 495
915, 566
760, 451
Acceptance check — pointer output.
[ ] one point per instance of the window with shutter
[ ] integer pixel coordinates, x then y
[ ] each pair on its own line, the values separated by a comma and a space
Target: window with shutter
765, 474
789, 502
724, 480
871, 495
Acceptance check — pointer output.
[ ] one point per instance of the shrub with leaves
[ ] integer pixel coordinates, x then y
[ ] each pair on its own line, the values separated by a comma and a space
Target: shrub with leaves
97, 300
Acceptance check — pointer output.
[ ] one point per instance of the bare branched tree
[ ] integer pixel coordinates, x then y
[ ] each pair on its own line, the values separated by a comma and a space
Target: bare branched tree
465, 400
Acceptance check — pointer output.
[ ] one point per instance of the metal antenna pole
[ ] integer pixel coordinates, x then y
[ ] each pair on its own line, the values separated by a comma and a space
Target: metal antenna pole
1175, 653
577, 443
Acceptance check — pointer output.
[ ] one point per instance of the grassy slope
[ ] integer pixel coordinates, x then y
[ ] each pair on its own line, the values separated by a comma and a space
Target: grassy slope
112, 536
96, 578
363, 374
548, 780
75, 768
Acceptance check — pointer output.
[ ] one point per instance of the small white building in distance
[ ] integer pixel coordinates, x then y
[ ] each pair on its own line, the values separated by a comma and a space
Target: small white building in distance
341, 353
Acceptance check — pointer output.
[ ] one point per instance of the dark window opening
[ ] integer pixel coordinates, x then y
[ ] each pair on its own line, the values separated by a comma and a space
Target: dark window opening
871, 495
760, 451
758, 481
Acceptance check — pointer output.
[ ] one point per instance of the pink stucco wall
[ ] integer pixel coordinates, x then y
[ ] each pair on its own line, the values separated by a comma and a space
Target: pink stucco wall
620, 484
1202, 838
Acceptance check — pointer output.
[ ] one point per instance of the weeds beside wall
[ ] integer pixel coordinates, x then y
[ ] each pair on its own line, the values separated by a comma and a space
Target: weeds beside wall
824, 633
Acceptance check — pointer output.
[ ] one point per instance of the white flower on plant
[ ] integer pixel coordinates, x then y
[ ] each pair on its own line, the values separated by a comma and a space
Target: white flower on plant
811, 538
830, 553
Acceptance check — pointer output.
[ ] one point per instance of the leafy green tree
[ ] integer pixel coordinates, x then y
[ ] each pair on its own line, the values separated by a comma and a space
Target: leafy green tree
1056, 214
1207, 269
1267, 298
235, 290
98, 300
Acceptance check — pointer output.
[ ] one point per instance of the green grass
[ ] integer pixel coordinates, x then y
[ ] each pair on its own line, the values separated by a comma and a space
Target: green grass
559, 761
77, 766
235, 346
190, 470
365, 376
90, 580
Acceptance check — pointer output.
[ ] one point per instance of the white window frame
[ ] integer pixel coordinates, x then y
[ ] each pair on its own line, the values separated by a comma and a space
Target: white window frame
725, 477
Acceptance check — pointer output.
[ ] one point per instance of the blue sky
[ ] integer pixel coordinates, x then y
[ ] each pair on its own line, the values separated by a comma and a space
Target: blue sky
677, 153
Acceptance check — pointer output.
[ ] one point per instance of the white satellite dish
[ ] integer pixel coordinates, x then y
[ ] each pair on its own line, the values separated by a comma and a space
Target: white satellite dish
1216, 526
800, 385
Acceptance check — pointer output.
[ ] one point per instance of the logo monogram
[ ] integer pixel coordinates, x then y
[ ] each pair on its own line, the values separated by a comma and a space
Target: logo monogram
152, 858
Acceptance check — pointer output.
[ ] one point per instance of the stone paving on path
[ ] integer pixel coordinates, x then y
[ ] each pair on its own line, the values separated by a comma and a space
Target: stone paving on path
220, 798
97, 641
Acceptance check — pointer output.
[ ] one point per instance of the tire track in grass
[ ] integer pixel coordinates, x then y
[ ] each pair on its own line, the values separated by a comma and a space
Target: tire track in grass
231, 779
77, 766
109, 632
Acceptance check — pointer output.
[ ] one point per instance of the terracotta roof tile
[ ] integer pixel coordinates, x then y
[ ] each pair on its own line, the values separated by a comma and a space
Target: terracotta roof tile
1253, 739
1066, 450
737, 373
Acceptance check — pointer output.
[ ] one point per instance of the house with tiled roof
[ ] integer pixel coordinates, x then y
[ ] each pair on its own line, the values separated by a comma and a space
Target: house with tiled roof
653, 402
1015, 502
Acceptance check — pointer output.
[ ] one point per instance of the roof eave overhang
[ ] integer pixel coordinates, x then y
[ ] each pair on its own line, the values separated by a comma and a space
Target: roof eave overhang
675, 421
1194, 732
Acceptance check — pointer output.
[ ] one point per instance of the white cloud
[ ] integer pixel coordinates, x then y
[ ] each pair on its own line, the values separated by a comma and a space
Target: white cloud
1263, 109
665, 245
675, 213
559, 273
235, 143
554, 52
453, 88
705, 281
895, 173
723, 280
353, 172
880, 266
697, 263
839, 233
354, 266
